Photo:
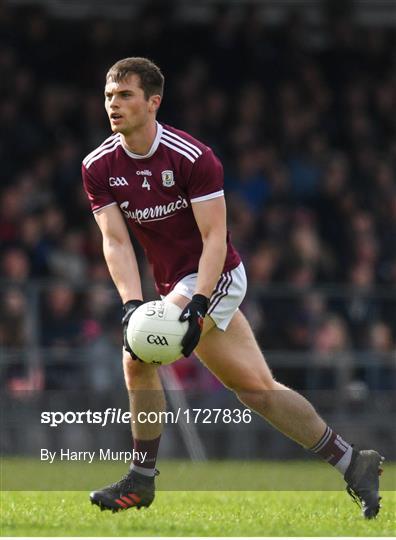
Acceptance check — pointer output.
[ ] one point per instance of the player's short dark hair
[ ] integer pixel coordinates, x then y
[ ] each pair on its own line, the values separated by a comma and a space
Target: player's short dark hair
151, 78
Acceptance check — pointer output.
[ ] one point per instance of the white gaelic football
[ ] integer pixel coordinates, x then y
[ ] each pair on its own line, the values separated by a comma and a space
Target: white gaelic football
154, 332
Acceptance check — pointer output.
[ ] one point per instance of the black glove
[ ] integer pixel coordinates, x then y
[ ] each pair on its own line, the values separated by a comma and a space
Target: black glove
128, 308
194, 313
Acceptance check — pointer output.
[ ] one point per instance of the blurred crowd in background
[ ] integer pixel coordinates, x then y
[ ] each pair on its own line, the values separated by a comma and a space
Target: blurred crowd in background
305, 125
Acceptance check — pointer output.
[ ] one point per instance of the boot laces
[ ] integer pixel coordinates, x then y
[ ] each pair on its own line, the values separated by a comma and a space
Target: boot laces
127, 480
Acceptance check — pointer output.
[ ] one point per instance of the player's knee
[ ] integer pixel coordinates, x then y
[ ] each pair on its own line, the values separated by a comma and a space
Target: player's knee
259, 400
135, 371
256, 392
130, 369
253, 383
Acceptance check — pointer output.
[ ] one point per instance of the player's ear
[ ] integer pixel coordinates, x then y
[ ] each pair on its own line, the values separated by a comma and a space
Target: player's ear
154, 102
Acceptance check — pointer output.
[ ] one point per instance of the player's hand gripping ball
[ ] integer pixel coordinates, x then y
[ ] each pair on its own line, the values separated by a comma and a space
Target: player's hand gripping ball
154, 332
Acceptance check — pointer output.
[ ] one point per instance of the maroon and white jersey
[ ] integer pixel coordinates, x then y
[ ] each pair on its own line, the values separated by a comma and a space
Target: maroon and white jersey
154, 193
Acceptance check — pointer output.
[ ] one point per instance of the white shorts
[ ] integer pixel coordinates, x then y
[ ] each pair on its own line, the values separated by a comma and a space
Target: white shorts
227, 295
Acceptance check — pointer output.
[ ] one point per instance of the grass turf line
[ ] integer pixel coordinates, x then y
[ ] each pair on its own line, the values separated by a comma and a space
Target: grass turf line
195, 514
199, 513
28, 474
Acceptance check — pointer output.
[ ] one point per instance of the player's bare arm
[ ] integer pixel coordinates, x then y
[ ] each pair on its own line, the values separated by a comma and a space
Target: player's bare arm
210, 216
119, 253
211, 220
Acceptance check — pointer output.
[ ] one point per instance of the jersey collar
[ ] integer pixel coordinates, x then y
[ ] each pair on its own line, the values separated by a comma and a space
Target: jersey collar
153, 148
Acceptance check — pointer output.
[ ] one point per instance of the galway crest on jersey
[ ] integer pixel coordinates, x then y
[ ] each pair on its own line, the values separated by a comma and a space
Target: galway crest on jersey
167, 178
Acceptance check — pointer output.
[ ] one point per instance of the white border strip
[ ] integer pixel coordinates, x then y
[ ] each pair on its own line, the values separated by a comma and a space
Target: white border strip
208, 197
102, 207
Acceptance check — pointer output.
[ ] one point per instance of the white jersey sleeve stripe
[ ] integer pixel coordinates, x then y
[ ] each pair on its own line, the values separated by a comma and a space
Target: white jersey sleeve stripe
177, 149
105, 206
167, 132
182, 145
104, 151
113, 136
108, 142
213, 195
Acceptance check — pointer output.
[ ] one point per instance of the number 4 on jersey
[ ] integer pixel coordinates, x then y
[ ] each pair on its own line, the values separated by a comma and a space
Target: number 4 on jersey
146, 184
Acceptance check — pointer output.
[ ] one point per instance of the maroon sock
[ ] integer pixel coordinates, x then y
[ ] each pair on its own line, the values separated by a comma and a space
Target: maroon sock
145, 455
333, 449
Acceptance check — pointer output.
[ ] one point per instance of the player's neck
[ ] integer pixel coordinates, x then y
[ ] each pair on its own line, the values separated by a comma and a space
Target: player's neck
140, 141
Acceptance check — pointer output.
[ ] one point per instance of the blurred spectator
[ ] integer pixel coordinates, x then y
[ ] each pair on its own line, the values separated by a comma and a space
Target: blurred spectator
68, 261
61, 333
13, 319
10, 211
15, 265
332, 363
21, 375
62, 327
101, 336
379, 372
35, 245
250, 185
304, 320
263, 263
306, 248
360, 307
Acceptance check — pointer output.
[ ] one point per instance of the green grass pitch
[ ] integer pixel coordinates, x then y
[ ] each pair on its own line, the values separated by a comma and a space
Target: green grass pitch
204, 513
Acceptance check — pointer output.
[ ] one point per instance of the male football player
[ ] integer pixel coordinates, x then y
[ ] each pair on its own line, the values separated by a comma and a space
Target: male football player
167, 187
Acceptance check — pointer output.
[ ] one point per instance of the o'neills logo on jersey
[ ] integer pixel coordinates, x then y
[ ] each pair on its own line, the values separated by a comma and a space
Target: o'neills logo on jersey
154, 213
